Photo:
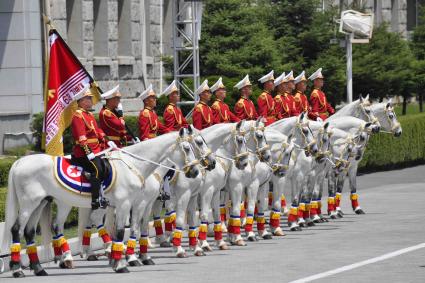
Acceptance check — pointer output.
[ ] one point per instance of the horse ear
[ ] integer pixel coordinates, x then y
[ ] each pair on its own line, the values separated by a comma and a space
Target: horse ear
190, 130
289, 137
181, 132
239, 124
367, 97
389, 103
302, 117
259, 119
326, 125
361, 98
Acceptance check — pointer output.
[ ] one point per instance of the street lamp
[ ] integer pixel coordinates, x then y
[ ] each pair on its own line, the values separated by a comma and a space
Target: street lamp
357, 28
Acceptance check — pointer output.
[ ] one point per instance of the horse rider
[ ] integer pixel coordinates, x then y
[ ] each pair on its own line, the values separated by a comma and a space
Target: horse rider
319, 104
301, 100
284, 101
173, 116
111, 120
244, 108
89, 140
202, 114
221, 111
265, 102
149, 124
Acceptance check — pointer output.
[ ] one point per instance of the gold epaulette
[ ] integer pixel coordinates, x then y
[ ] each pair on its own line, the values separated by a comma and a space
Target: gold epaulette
199, 107
240, 103
146, 113
314, 93
170, 109
278, 97
216, 105
263, 95
107, 112
78, 113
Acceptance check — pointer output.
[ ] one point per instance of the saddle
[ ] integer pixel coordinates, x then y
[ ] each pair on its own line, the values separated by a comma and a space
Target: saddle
71, 176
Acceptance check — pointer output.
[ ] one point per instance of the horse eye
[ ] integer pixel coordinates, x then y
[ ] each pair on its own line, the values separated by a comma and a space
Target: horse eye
305, 131
259, 135
391, 116
367, 111
199, 142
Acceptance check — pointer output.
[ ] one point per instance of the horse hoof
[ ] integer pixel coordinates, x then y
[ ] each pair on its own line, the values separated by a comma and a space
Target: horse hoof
122, 270
92, 258
134, 263
62, 265
69, 264
207, 249
224, 247
41, 273
267, 237
240, 243
333, 216
339, 215
299, 228
148, 261
165, 245
359, 211
181, 255
18, 274
278, 233
311, 224
251, 239
199, 253
324, 220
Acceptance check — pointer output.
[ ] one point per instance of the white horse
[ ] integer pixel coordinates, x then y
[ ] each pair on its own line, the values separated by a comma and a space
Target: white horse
298, 128
31, 186
354, 126
281, 148
239, 179
385, 115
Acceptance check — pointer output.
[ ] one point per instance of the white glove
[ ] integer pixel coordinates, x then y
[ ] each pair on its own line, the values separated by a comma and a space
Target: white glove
91, 156
112, 145
136, 140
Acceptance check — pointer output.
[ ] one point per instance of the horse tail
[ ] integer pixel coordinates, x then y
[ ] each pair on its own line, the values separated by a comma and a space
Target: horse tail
83, 219
12, 206
110, 220
46, 228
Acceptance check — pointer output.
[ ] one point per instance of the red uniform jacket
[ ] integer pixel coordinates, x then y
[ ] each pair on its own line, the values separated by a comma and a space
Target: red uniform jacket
222, 113
285, 105
245, 109
319, 105
149, 125
202, 116
301, 103
173, 118
113, 127
87, 135
266, 107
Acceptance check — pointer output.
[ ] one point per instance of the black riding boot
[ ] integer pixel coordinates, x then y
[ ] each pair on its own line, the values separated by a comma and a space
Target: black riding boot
95, 190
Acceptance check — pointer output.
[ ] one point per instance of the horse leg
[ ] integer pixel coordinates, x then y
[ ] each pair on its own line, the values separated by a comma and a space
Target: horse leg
223, 209
252, 191
157, 223
331, 196
261, 207
144, 236
130, 247
293, 212
276, 206
118, 263
60, 244
29, 234
234, 221
181, 207
314, 204
354, 197
193, 222
170, 219
205, 197
339, 188
216, 213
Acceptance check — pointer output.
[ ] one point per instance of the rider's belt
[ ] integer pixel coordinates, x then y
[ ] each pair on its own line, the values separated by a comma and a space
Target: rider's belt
151, 135
114, 138
324, 113
94, 140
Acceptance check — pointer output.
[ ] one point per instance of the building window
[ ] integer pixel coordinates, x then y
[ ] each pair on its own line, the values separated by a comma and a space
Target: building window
411, 14
74, 26
124, 27
100, 14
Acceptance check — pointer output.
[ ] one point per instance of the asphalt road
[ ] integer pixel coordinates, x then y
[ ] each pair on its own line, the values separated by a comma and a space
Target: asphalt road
356, 248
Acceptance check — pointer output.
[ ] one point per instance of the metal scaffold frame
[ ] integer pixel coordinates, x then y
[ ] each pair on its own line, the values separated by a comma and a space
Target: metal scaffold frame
186, 34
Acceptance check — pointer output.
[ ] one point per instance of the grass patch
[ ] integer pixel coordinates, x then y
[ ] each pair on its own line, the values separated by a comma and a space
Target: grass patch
412, 109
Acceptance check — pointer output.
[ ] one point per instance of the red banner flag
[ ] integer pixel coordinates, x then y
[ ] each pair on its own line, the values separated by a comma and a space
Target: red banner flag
67, 77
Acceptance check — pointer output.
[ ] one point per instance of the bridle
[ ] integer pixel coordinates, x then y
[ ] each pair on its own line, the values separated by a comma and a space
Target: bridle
260, 151
308, 145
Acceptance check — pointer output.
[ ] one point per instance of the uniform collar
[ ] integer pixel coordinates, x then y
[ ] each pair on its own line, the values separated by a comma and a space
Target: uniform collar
299, 92
203, 103
82, 109
149, 108
219, 100
172, 104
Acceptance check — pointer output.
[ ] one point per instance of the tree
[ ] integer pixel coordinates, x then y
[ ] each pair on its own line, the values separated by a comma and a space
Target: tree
418, 48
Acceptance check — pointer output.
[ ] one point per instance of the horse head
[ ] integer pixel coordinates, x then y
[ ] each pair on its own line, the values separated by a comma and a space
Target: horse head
202, 151
191, 164
283, 157
303, 130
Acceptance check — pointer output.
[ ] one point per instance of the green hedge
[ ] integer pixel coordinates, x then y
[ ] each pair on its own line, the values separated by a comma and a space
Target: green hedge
5, 165
385, 152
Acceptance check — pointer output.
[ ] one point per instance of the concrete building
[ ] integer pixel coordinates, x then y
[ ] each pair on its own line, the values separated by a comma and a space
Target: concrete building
118, 41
